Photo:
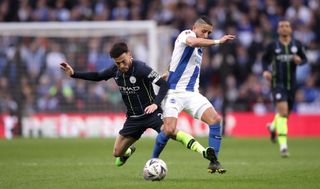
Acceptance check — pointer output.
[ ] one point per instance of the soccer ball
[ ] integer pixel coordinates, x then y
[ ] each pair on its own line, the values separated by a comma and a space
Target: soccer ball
155, 169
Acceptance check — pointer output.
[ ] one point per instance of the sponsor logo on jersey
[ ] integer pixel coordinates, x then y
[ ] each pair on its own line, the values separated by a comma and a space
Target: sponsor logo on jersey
284, 57
129, 90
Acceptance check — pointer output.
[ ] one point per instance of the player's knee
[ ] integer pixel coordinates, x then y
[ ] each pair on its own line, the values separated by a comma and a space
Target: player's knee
218, 119
283, 113
169, 131
169, 127
215, 120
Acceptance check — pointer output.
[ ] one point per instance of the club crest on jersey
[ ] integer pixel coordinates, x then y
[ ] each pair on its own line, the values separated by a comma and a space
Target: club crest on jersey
132, 79
294, 49
278, 50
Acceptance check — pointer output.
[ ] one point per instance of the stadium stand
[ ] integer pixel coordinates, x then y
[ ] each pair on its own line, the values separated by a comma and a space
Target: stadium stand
231, 71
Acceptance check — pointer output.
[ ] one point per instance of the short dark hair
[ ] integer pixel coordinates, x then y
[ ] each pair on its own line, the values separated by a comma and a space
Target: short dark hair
118, 49
204, 20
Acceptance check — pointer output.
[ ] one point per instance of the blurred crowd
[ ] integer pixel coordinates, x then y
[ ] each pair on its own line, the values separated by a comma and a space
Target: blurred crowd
231, 73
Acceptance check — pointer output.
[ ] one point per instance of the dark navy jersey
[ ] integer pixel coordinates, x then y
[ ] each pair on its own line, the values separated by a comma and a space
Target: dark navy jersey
135, 85
280, 56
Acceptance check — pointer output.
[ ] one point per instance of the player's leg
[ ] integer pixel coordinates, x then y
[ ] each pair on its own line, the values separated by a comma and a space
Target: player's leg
199, 107
131, 132
156, 123
186, 139
123, 149
160, 143
180, 136
272, 128
214, 120
282, 126
173, 105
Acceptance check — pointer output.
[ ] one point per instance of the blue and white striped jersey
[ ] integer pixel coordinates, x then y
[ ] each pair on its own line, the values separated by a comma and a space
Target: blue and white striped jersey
185, 64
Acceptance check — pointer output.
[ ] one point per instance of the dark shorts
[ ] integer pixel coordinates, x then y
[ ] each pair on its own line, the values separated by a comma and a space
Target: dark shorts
135, 127
280, 95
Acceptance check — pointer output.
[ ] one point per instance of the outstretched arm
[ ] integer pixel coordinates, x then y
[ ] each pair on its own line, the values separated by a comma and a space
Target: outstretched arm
201, 42
92, 76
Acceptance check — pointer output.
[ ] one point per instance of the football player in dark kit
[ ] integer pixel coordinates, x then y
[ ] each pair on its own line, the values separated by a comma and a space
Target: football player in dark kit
284, 55
134, 79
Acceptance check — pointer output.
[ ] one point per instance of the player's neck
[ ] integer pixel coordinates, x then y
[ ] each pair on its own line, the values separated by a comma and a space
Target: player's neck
285, 39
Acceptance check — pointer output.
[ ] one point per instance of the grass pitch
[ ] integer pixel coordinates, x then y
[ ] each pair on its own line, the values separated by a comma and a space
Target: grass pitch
88, 163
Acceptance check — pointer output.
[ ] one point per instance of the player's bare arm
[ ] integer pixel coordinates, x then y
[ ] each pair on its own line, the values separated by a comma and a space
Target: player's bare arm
202, 42
67, 68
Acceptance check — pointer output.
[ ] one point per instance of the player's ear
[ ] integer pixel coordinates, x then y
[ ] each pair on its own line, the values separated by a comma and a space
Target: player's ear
130, 55
193, 27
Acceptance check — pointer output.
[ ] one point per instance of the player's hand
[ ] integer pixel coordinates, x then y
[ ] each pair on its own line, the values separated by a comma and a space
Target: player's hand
151, 108
297, 59
267, 75
67, 68
226, 38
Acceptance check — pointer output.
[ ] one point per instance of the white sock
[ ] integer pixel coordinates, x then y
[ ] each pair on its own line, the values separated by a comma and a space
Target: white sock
283, 146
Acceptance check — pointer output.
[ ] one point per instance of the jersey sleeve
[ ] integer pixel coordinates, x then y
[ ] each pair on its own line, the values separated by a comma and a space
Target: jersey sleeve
96, 76
155, 78
301, 53
149, 73
267, 57
184, 35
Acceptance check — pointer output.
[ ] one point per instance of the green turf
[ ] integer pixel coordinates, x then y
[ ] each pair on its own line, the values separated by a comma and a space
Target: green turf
88, 163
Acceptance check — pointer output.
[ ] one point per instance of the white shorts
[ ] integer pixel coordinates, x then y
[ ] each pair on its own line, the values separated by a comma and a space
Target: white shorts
191, 102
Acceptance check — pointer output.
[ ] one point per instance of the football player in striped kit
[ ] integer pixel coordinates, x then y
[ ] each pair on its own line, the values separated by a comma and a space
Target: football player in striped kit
183, 94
